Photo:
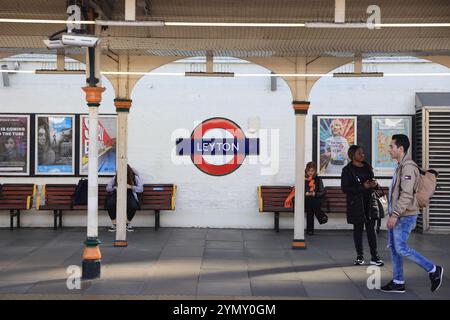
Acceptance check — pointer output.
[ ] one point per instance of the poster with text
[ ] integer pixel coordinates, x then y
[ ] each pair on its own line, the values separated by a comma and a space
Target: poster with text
54, 145
383, 128
335, 135
107, 137
14, 144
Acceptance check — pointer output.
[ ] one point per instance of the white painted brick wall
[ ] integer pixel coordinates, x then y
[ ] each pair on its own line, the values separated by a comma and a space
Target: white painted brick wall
164, 104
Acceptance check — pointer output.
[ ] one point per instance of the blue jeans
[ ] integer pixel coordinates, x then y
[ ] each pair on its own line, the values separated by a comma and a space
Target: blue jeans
398, 238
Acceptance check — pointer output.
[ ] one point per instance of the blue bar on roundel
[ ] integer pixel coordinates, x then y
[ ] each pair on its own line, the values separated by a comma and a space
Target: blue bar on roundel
186, 146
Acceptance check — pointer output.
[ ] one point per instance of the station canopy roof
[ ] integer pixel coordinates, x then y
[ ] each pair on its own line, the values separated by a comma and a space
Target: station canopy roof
241, 41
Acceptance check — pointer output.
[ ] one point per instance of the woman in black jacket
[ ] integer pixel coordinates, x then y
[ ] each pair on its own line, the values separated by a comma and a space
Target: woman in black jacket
358, 183
314, 192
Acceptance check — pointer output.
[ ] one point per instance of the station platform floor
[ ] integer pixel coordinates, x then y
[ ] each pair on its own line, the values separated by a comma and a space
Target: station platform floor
190, 263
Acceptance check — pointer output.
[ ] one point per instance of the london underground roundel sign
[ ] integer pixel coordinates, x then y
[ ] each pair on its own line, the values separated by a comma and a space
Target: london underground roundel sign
217, 146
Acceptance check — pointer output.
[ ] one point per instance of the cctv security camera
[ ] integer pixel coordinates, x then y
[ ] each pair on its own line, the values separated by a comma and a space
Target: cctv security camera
79, 40
54, 44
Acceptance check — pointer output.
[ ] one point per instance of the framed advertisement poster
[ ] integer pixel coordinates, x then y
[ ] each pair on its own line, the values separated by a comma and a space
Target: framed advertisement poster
55, 145
335, 135
383, 128
107, 138
14, 144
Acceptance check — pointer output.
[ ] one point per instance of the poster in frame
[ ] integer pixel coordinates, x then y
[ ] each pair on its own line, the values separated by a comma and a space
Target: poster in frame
383, 128
107, 139
14, 144
335, 135
55, 145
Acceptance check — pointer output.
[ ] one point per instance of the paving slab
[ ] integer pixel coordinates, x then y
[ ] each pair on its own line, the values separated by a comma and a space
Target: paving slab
225, 288
278, 288
102, 287
12, 287
221, 275
171, 287
222, 244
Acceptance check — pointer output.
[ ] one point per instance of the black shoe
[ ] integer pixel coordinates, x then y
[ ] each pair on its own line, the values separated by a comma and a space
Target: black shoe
359, 261
436, 278
394, 287
112, 228
130, 228
377, 261
310, 233
324, 220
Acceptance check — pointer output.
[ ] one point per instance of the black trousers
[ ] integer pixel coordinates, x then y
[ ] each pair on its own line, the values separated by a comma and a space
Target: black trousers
312, 208
132, 206
358, 229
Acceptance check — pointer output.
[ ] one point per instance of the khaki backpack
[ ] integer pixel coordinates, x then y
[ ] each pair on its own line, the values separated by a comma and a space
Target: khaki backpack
426, 186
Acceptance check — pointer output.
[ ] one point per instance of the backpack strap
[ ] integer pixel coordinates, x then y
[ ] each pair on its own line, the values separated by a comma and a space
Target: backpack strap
421, 170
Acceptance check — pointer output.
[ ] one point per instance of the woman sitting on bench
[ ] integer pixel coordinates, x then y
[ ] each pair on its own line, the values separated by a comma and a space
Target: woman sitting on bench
314, 193
134, 186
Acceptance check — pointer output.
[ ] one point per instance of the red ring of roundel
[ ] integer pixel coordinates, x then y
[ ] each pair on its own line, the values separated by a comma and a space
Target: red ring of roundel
217, 123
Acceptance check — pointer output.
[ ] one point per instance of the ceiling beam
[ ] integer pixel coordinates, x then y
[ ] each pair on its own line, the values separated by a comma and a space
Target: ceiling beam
339, 11
130, 10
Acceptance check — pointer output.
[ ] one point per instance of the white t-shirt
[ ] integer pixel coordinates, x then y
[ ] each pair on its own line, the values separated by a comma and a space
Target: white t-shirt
338, 147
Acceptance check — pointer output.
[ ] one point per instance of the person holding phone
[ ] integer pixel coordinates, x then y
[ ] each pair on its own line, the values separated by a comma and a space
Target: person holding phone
358, 183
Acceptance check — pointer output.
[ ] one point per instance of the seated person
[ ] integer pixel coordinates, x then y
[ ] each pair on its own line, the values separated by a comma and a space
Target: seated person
134, 186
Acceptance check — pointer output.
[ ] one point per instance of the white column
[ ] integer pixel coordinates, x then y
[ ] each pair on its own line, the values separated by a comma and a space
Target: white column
91, 266
339, 11
92, 219
130, 10
122, 108
301, 110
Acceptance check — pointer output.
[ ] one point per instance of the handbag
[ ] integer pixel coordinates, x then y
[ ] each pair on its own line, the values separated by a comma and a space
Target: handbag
382, 202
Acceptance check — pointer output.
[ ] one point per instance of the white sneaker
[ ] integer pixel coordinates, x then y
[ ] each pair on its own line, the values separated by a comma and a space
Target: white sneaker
130, 228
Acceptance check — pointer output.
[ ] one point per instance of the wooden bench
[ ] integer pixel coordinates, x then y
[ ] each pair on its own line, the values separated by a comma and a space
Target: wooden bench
59, 197
16, 197
271, 199
158, 197
335, 200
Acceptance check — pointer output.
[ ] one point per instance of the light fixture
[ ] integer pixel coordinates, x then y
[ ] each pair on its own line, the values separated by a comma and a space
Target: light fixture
16, 71
442, 74
234, 24
138, 73
363, 25
284, 75
209, 74
331, 25
68, 72
112, 23
46, 21
357, 74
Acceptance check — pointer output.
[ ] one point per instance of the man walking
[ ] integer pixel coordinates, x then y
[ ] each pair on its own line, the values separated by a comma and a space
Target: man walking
403, 210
